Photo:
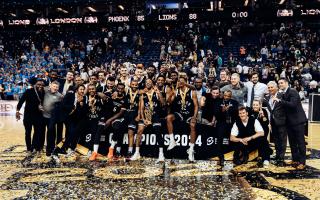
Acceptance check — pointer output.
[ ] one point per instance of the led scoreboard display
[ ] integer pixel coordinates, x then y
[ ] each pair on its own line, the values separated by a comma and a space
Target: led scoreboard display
170, 16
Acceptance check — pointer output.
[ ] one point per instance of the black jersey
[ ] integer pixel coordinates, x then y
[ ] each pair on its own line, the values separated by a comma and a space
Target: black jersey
164, 108
118, 104
151, 104
108, 92
132, 100
183, 103
96, 108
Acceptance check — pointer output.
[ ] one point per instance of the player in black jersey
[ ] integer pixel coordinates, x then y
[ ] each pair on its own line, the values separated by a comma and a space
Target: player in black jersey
184, 108
132, 114
173, 81
110, 87
163, 90
150, 106
116, 108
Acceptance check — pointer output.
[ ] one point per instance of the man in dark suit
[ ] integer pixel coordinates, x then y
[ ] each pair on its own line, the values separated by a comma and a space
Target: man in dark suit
32, 116
65, 85
296, 119
278, 121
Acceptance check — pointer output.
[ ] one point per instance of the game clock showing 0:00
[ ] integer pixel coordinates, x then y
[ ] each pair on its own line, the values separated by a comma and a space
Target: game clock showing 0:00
243, 14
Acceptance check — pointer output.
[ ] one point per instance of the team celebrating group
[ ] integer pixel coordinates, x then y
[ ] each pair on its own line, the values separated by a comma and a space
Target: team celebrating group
246, 112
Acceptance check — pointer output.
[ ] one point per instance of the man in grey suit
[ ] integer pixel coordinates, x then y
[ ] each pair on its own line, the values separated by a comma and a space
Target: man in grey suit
278, 121
295, 121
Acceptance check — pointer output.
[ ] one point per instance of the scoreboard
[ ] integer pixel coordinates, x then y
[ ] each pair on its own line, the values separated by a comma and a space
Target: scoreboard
173, 15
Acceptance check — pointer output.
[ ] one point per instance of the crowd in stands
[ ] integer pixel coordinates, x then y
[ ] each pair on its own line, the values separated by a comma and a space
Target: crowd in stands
290, 50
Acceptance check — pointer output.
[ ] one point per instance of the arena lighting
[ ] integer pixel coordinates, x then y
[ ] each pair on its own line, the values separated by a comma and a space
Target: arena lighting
62, 10
13, 15
153, 6
121, 7
91, 9
246, 2
30, 10
281, 2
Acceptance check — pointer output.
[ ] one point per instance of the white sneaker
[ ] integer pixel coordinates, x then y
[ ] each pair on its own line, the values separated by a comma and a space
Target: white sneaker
172, 144
89, 154
190, 154
56, 159
266, 163
70, 153
161, 158
38, 154
136, 156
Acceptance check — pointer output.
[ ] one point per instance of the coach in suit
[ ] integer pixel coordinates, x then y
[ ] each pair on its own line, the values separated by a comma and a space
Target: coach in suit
65, 85
295, 121
33, 116
277, 121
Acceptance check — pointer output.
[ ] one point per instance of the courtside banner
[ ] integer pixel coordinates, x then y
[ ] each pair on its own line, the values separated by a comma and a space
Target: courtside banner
205, 145
8, 108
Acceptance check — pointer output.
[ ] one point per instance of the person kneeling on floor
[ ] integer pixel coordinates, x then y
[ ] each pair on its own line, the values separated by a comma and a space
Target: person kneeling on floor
247, 134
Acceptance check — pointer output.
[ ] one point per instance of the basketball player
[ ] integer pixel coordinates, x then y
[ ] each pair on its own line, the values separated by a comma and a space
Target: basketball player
150, 105
184, 108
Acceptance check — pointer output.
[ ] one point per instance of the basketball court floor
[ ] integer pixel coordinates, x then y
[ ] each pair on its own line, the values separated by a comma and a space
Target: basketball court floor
29, 177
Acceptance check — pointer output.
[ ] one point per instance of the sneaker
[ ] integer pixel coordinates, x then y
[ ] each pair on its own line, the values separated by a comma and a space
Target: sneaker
245, 157
293, 163
129, 154
38, 154
117, 155
136, 156
190, 155
89, 154
160, 158
56, 159
48, 154
110, 153
301, 167
29, 153
221, 161
266, 163
70, 153
172, 144
58, 150
237, 162
280, 163
93, 156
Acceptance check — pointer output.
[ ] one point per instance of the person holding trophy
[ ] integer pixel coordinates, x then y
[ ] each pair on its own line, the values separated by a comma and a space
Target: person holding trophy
150, 106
